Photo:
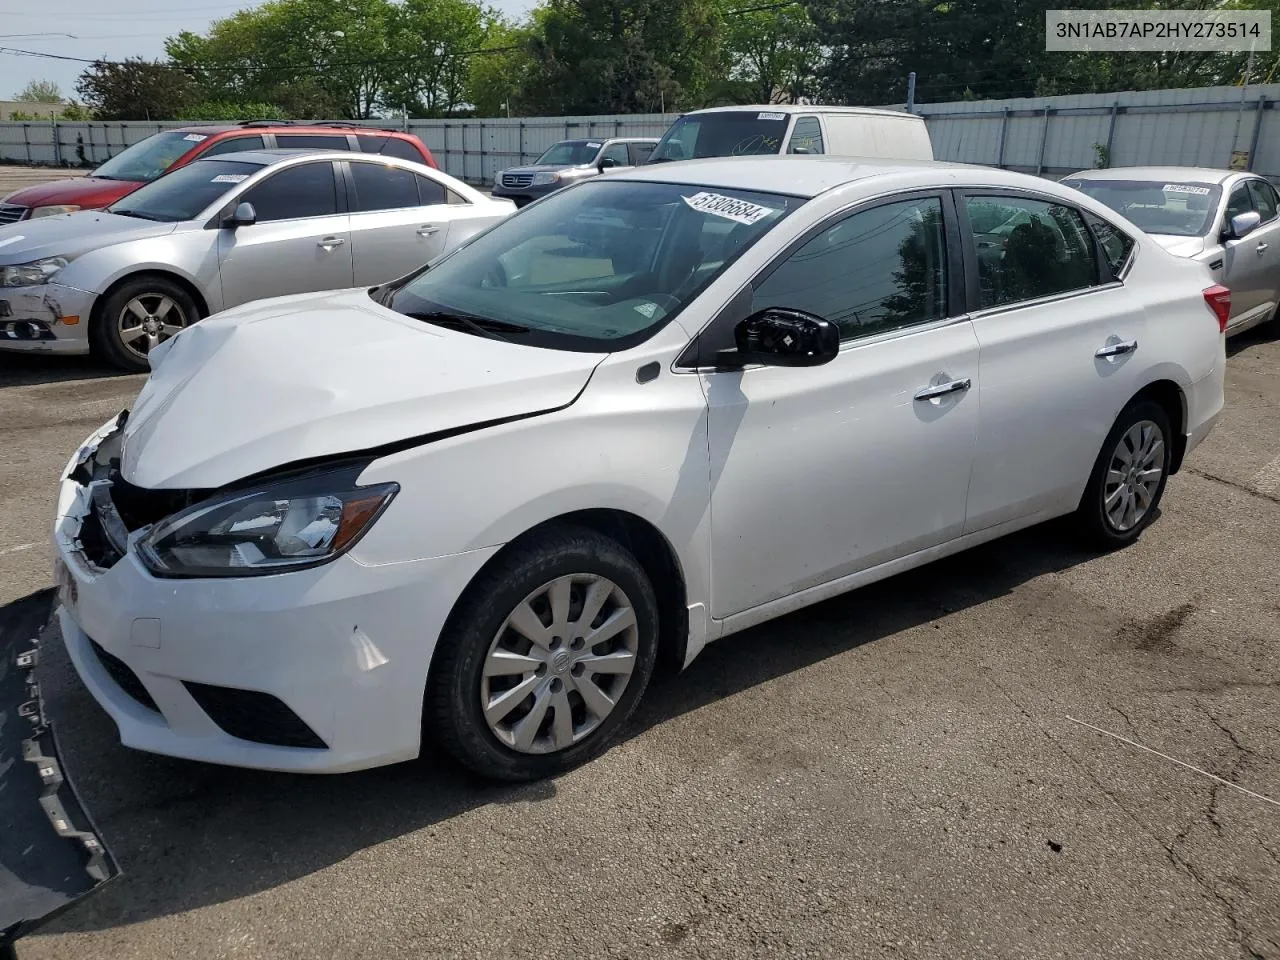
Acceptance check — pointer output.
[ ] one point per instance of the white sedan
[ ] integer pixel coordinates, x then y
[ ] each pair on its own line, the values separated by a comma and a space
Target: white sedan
646, 413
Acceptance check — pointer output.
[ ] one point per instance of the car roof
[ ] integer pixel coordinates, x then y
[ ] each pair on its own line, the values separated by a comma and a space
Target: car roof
790, 108
289, 126
266, 158
1164, 174
808, 176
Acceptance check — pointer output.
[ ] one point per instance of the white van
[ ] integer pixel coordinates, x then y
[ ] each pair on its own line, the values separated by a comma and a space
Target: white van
843, 131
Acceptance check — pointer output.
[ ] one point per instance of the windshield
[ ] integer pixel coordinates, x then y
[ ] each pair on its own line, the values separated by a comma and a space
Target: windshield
183, 194
1173, 209
571, 153
727, 134
149, 158
599, 267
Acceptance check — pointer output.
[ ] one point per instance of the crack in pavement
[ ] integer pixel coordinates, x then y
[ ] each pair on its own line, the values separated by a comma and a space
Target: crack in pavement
1261, 495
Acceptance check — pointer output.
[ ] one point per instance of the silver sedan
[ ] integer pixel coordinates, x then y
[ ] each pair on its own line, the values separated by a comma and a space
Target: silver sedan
1228, 220
220, 232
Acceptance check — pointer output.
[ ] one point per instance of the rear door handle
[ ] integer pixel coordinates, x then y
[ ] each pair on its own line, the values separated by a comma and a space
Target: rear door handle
428, 229
1118, 349
1261, 248
328, 243
943, 389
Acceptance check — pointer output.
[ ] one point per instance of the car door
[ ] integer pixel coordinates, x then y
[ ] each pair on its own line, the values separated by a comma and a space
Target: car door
399, 219
819, 472
298, 243
1058, 333
1265, 241
1245, 259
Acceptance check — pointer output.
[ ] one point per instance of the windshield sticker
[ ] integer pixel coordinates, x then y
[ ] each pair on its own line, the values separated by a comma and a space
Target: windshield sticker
595, 146
229, 178
739, 211
195, 137
772, 116
647, 310
1185, 188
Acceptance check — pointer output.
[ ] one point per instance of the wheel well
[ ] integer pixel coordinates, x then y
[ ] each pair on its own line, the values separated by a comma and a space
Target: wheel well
201, 305
1170, 397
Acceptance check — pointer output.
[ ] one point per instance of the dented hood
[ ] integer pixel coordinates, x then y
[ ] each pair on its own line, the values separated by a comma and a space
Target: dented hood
294, 378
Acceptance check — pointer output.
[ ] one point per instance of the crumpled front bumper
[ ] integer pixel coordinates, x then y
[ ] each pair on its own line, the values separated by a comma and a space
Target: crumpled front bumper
51, 854
50, 318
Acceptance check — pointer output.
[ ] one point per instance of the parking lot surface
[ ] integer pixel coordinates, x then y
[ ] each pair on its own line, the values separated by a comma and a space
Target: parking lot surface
943, 765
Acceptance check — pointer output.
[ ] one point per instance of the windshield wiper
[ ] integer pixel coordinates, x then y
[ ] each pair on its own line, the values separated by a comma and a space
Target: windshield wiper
658, 160
135, 213
480, 326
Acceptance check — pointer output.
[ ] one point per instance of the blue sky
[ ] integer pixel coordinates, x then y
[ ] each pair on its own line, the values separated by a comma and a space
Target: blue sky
114, 29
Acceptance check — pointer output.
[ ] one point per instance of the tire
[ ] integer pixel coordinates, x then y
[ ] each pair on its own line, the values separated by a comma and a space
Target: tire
524, 738
1104, 516
168, 308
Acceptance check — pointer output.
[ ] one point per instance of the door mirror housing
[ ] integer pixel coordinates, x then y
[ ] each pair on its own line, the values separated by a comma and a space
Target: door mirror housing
606, 163
1243, 224
244, 216
779, 337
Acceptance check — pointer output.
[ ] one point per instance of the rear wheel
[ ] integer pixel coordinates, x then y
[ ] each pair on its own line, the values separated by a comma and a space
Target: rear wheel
137, 317
546, 657
1129, 477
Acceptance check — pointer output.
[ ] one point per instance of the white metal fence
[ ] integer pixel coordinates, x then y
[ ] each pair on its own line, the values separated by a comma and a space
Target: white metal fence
1209, 126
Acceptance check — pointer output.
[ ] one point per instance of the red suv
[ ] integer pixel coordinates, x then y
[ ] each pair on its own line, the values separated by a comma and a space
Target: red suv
149, 158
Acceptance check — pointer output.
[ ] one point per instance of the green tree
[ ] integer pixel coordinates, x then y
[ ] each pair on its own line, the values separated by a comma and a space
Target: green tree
134, 89
500, 72
39, 91
432, 42
772, 52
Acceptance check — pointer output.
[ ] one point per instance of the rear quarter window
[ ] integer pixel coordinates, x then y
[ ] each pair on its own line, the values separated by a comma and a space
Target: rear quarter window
1117, 246
391, 147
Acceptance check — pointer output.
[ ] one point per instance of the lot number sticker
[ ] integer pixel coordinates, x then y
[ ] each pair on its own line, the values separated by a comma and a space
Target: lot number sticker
772, 116
195, 137
730, 208
1186, 188
229, 178
595, 146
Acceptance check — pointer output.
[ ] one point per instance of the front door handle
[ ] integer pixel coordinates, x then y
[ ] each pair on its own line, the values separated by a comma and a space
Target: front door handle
328, 243
428, 230
1261, 248
1118, 349
934, 391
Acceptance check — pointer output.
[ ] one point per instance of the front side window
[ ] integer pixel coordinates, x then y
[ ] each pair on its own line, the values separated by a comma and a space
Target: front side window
381, 187
1264, 199
1183, 209
878, 270
1238, 202
728, 133
570, 153
186, 192
311, 141
1028, 249
617, 152
234, 145
307, 190
151, 157
640, 152
599, 267
806, 136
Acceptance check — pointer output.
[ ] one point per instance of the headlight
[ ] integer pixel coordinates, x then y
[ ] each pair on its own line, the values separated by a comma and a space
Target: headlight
31, 274
542, 179
53, 211
284, 526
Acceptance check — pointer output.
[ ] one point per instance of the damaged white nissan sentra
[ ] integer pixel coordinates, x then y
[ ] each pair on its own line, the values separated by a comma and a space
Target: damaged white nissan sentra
642, 414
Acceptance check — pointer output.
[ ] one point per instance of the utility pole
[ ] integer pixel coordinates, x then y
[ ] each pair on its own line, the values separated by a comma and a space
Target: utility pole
911, 92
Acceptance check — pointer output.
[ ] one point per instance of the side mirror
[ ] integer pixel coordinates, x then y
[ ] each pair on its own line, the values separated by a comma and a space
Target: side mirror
606, 163
778, 337
245, 216
1243, 224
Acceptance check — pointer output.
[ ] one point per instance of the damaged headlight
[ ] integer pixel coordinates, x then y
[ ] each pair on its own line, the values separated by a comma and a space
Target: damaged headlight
284, 526
31, 274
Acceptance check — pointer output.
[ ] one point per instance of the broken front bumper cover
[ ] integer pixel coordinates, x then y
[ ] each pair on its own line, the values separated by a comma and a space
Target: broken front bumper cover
51, 855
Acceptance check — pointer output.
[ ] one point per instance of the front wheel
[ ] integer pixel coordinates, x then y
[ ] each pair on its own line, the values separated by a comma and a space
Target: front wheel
137, 317
546, 657
1129, 477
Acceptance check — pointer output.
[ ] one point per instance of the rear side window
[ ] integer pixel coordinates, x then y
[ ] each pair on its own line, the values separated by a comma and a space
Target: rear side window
382, 187
234, 145
1116, 245
878, 270
391, 147
1264, 199
806, 137
308, 190
311, 141
1029, 249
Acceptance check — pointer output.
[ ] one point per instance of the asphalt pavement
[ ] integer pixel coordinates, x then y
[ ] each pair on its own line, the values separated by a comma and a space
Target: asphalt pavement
1024, 751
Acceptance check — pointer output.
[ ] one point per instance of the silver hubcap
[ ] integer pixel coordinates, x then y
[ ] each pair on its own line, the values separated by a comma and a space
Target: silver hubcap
147, 321
560, 664
1137, 466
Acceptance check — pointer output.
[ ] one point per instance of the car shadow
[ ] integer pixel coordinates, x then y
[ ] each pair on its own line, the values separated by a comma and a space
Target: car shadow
1266, 333
190, 835
25, 370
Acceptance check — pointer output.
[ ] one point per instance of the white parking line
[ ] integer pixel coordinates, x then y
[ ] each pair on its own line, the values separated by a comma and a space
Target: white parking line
1268, 478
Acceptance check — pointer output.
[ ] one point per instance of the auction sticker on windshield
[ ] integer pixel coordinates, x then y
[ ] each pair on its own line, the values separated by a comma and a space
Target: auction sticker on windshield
229, 178
195, 137
1185, 188
730, 208
772, 116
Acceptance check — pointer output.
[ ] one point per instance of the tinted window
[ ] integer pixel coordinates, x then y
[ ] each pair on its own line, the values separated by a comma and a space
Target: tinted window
806, 137
1174, 209
1264, 199
1116, 245
1239, 202
186, 192
878, 270
382, 187
1028, 249
308, 190
617, 152
149, 158
311, 141
640, 152
234, 145
429, 191
391, 147
732, 133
